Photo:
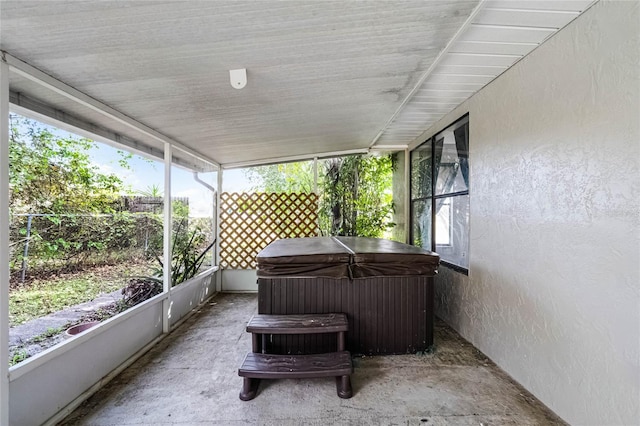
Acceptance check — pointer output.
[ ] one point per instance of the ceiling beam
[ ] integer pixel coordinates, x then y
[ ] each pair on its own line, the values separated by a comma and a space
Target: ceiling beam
295, 158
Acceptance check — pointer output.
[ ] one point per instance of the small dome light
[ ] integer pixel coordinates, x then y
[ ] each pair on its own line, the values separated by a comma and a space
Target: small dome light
238, 78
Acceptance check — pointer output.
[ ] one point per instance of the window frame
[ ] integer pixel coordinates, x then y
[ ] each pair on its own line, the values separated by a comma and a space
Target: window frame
433, 197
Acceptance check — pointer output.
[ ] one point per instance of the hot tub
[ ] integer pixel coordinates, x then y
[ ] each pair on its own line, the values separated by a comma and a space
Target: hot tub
384, 287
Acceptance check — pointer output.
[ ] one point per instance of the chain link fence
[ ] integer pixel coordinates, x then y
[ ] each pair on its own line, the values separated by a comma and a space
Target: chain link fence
52, 242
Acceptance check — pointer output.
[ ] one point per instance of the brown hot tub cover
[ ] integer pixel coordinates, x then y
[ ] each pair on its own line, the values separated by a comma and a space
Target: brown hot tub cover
304, 257
344, 257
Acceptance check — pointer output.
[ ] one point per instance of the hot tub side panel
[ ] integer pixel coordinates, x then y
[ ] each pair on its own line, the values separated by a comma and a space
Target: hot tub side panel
387, 315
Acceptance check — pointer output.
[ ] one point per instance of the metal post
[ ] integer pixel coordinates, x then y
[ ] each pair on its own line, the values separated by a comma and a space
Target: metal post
168, 232
315, 175
407, 195
4, 240
217, 213
146, 234
26, 249
433, 191
214, 226
214, 203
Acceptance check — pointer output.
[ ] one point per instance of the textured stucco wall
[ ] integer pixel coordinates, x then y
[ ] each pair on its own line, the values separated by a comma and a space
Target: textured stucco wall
553, 294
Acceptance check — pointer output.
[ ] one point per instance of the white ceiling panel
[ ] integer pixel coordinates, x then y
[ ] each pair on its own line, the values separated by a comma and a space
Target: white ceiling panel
492, 48
497, 33
420, 109
443, 99
525, 18
465, 86
472, 69
566, 5
323, 76
495, 37
437, 89
401, 145
418, 116
460, 78
480, 59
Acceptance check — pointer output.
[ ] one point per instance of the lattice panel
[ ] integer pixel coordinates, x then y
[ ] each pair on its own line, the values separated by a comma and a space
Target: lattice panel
250, 221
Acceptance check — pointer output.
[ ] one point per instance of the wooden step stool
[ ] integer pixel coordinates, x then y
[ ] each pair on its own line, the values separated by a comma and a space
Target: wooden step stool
259, 365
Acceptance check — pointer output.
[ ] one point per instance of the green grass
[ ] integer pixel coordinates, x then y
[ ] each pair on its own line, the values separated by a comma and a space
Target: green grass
49, 333
18, 357
45, 296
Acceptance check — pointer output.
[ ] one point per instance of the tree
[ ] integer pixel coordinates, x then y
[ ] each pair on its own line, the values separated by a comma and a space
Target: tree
50, 174
52, 177
289, 177
355, 191
152, 191
357, 198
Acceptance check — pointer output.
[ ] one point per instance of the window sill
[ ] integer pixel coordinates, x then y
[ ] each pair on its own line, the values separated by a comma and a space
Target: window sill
454, 267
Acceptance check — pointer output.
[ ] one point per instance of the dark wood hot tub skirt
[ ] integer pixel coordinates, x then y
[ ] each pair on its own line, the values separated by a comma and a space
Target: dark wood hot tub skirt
387, 315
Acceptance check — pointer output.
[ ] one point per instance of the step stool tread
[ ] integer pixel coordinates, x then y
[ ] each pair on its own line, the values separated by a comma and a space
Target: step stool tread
298, 324
271, 366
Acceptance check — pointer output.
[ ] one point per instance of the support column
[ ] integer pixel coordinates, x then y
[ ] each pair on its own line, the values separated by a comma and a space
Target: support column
167, 228
217, 213
4, 241
214, 225
315, 175
407, 196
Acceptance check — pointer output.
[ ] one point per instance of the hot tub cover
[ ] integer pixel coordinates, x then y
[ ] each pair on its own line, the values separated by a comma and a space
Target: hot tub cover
315, 256
344, 257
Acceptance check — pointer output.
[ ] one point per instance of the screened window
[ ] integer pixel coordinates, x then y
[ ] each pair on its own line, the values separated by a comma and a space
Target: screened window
440, 194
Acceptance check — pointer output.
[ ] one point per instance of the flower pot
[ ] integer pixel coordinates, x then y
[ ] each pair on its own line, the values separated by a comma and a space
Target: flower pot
79, 328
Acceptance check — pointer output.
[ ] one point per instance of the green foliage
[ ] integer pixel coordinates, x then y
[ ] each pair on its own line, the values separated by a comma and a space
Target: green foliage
152, 191
74, 206
289, 177
73, 240
54, 174
45, 296
18, 357
180, 210
51, 331
357, 198
355, 191
189, 248
49, 297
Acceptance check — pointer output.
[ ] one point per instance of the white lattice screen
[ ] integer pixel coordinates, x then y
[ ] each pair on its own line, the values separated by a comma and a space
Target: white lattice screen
250, 221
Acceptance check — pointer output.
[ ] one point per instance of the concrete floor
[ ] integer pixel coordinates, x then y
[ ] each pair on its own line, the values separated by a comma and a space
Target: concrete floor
190, 378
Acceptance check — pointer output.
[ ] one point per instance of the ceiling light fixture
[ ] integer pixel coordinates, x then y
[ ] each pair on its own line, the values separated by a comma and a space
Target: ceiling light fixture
238, 78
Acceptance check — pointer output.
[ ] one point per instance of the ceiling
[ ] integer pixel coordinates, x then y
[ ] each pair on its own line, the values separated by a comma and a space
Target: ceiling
323, 77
